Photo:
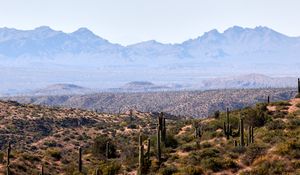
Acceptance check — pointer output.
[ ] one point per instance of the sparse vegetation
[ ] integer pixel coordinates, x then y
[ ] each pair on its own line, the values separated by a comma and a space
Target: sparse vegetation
252, 140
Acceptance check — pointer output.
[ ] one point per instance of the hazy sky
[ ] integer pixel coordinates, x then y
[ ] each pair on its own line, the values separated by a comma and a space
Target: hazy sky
167, 21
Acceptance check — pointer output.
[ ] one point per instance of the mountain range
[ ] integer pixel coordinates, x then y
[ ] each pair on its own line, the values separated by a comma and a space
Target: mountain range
235, 41
36, 58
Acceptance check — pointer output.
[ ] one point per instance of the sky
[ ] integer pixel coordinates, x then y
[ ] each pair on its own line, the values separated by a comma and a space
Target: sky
167, 21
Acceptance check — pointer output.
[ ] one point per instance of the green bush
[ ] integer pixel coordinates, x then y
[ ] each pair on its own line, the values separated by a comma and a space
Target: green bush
99, 147
54, 153
193, 170
289, 148
275, 124
169, 170
214, 164
253, 152
218, 163
266, 166
171, 141
293, 123
217, 114
110, 168
208, 153
280, 103
255, 117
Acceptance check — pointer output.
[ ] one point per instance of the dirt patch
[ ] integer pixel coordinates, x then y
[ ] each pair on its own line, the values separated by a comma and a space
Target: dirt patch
184, 130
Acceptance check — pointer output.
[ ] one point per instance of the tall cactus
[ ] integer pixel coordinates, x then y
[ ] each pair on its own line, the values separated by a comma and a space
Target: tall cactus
298, 85
148, 151
158, 144
80, 160
198, 131
250, 134
42, 170
162, 127
226, 126
141, 156
164, 130
242, 141
8, 159
97, 171
198, 134
107, 150
268, 99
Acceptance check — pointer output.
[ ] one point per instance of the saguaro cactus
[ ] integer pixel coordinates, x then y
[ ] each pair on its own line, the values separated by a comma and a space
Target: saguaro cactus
198, 131
8, 159
97, 171
162, 127
164, 130
198, 134
42, 170
158, 144
148, 151
141, 156
226, 126
250, 134
107, 150
80, 160
242, 141
268, 99
298, 85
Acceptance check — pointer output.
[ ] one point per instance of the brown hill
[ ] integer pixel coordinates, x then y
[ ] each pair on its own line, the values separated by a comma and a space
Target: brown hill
51, 137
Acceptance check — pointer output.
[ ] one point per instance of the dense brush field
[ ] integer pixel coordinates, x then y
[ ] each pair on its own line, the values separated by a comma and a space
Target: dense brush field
112, 144
197, 104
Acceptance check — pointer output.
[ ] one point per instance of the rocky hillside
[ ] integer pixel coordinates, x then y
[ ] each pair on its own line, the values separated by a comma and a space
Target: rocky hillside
185, 103
51, 138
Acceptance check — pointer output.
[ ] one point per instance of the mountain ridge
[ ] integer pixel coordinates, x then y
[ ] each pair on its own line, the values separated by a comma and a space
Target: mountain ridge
210, 37
43, 54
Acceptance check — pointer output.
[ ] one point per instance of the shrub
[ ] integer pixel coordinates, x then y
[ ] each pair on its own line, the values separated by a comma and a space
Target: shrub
30, 157
208, 153
193, 170
289, 148
206, 145
275, 124
187, 147
281, 103
54, 153
169, 170
293, 123
274, 166
253, 152
132, 126
214, 164
171, 141
99, 147
256, 117
110, 168
218, 163
50, 143
217, 114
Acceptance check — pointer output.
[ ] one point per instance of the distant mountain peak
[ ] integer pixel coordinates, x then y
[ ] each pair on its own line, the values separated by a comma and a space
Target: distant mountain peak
212, 32
234, 29
84, 34
83, 30
43, 28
